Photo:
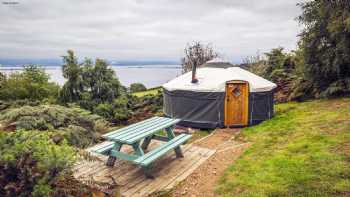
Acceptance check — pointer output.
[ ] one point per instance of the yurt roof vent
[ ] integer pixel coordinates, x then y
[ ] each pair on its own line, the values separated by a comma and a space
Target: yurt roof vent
194, 78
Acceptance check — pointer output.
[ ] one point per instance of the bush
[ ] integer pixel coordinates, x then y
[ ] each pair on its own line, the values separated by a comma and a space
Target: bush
31, 163
145, 107
79, 136
74, 124
101, 126
116, 112
105, 110
280, 67
121, 109
128, 109
137, 87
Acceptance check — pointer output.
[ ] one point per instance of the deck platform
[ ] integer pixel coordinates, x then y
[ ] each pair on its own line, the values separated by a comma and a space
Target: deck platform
168, 170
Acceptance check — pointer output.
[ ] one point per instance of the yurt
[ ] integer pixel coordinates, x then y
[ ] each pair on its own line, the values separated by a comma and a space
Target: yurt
218, 94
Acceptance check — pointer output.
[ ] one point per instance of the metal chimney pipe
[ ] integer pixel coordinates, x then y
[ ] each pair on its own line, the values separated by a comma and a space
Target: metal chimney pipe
194, 69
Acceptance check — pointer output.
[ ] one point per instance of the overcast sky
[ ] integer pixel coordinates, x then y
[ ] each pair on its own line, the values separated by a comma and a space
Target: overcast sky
144, 29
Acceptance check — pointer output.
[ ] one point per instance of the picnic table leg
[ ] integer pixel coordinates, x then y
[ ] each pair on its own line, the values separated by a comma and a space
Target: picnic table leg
146, 142
171, 135
138, 150
147, 171
111, 159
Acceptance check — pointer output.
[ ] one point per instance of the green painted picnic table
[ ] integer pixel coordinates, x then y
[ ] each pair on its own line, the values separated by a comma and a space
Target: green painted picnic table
144, 132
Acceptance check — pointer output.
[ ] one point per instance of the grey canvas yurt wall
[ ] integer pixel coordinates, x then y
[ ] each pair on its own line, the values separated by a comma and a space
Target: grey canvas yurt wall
202, 104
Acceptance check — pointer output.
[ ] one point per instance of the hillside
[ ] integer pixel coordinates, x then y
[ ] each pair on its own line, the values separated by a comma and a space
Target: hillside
303, 151
151, 92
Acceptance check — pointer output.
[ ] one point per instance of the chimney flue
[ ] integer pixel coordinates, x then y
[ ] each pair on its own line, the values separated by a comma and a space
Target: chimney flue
194, 69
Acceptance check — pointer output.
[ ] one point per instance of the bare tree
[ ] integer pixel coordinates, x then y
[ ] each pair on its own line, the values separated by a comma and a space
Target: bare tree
197, 54
255, 63
253, 59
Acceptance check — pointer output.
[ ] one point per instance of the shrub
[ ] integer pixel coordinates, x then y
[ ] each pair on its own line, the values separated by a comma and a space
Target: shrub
31, 163
117, 112
145, 107
101, 126
121, 109
105, 110
283, 68
137, 87
79, 136
74, 124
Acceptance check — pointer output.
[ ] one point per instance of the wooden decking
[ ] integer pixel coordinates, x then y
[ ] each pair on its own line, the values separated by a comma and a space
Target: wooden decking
168, 171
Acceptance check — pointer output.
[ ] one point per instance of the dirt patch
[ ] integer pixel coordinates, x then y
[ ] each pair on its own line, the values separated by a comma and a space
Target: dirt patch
203, 181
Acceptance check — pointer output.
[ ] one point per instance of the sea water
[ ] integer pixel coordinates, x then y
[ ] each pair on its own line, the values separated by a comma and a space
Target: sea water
149, 75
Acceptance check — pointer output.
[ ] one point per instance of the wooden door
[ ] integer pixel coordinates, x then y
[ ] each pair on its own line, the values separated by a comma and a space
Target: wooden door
236, 103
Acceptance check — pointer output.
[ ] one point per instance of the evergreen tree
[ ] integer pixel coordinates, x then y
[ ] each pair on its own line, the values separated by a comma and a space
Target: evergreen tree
72, 71
93, 85
275, 60
325, 42
102, 83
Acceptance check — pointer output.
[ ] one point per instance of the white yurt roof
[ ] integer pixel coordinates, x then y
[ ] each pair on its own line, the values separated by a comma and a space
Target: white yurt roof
217, 60
214, 80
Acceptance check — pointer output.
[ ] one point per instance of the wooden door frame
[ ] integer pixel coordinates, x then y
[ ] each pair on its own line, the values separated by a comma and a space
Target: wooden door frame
246, 106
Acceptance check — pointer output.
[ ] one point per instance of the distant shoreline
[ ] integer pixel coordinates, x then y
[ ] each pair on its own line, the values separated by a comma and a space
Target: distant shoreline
53, 67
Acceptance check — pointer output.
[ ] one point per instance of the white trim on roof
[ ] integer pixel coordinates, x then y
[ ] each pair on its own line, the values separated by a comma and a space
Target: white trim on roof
214, 80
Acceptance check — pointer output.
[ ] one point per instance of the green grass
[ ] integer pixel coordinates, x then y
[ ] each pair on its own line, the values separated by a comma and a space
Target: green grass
151, 91
303, 151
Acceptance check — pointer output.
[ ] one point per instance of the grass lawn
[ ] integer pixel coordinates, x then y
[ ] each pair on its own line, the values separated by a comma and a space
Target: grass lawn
151, 91
303, 151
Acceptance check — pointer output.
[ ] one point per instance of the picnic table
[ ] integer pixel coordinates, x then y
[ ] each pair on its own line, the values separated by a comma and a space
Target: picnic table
139, 136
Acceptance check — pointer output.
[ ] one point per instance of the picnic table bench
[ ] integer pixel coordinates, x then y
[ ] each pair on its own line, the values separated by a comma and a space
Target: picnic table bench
144, 132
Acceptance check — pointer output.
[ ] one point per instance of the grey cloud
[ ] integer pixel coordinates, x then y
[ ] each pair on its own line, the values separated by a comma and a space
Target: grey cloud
145, 29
